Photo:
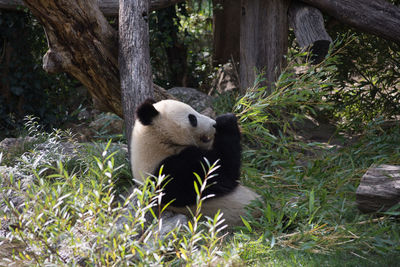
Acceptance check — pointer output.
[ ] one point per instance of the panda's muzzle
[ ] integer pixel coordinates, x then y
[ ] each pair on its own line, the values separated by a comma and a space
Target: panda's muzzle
205, 138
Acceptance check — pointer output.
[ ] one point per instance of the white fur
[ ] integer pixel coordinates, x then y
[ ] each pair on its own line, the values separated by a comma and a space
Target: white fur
168, 135
231, 205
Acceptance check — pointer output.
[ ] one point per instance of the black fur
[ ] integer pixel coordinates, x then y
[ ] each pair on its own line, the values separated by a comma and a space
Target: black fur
193, 120
146, 112
180, 168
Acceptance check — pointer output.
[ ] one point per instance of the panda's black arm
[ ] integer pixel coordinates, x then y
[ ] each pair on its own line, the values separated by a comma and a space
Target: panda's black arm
228, 150
181, 167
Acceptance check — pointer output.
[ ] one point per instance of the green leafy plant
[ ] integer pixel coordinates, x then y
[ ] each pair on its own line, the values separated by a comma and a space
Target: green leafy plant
367, 78
180, 45
74, 215
309, 216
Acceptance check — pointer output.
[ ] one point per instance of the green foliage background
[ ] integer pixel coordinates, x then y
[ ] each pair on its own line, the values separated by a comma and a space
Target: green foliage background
366, 78
25, 88
189, 27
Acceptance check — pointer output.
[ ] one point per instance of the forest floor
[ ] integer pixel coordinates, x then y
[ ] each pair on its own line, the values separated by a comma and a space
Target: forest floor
310, 217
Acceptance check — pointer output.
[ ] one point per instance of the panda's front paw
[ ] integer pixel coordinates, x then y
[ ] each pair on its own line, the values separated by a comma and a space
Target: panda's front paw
227, 124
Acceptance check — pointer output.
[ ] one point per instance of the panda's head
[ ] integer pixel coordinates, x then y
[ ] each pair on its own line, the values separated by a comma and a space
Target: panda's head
176, 124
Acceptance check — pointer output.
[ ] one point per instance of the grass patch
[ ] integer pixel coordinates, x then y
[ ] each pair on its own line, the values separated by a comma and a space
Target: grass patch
308, 187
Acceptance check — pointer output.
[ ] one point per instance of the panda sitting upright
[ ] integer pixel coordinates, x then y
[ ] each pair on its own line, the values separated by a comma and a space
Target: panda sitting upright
172, 134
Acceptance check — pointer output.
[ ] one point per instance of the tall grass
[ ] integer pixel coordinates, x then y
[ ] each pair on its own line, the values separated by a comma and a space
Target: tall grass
308, 187
71, 216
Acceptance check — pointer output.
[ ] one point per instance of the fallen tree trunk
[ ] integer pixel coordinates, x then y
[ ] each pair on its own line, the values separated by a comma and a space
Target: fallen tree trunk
377, 17
107, 7
379, 188
308, 26
82, 43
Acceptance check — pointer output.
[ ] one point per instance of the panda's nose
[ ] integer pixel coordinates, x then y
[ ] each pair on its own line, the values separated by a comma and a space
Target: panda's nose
214, 125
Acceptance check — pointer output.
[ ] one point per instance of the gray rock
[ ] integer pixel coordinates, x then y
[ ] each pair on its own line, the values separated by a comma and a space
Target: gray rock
10, 144
196, 99
170, 220
107, 123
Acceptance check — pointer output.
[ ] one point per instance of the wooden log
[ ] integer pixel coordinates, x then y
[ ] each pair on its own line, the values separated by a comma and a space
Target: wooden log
379, 188
308, 26
134, 58
108, 7
263, 40
378, 17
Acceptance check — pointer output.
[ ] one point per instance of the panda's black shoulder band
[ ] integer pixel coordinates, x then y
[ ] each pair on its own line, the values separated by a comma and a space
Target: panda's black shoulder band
146, 112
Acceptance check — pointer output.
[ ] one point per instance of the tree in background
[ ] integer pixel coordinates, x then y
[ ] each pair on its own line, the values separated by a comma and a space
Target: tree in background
88, 51
226, 31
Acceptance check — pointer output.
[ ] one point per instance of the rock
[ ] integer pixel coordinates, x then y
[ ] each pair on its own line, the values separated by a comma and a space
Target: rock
209, 112
107, 123
13, 144
311, 129
41, 155
170, 221
102, 124
11, 193
88, 114
84, 115
196, 99
226, 80
379, 188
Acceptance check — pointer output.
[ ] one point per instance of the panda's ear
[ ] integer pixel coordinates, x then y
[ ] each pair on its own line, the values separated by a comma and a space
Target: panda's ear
146, 112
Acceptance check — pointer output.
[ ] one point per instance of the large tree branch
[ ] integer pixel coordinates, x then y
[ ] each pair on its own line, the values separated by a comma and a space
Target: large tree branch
377, 17
108, 7
83, 44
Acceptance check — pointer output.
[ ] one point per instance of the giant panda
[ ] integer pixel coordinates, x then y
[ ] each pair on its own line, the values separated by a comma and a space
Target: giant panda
172, 134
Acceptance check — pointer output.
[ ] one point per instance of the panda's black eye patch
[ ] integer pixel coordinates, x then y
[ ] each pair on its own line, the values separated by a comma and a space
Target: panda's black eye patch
192, 120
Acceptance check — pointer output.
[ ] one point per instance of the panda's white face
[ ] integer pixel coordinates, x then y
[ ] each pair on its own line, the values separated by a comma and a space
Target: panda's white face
179, 124
164, 129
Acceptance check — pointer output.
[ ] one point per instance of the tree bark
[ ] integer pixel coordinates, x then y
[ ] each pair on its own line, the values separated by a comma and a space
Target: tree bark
226, 31
134, 58
263, 40
83, 44
308, 26
108, 7
377, 17
379, 188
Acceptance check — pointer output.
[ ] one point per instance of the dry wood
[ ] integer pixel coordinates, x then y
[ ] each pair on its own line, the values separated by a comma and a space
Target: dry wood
108, 7
308, 26
379, 188
263, 40
378, 17
83, 44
